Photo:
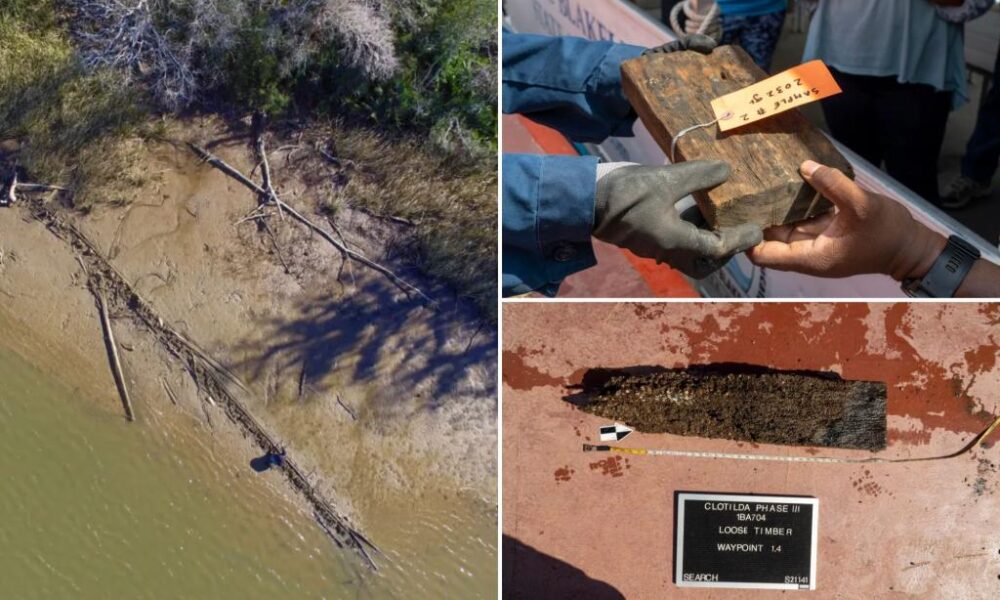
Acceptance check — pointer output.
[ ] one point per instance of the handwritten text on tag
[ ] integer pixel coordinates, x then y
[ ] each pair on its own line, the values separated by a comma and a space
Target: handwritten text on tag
797, 86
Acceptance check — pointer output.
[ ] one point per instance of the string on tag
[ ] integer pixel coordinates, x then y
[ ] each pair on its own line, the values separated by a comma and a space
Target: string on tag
683, 132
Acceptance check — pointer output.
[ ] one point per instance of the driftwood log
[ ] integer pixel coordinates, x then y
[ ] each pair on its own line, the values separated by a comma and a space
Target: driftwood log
672, 92
9, 196
94, 283
113, 358
267, 197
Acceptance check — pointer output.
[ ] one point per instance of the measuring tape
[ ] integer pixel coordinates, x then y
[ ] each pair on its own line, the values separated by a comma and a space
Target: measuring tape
978, 440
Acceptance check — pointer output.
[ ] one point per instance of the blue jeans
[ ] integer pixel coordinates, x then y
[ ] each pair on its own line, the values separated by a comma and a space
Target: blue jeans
757, 35
983, 150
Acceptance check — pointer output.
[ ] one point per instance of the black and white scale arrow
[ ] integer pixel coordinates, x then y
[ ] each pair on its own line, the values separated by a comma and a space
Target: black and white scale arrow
614, 433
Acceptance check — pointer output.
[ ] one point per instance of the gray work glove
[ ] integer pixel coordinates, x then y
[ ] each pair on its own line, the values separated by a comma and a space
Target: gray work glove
636, 209
697, 42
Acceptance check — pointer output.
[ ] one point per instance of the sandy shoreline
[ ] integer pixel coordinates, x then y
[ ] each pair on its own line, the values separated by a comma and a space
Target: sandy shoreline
421, 382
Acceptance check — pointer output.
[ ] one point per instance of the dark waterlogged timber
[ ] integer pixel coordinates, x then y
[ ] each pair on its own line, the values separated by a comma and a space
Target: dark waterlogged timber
741, 402
213, 379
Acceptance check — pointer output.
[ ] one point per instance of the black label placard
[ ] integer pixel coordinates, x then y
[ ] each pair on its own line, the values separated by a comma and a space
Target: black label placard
735, 541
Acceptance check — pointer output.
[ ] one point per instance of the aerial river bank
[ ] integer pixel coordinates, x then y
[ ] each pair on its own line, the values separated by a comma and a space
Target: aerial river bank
168, 506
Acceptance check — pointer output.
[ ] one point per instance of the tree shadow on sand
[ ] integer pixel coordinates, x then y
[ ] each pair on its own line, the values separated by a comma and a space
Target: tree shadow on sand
437, 355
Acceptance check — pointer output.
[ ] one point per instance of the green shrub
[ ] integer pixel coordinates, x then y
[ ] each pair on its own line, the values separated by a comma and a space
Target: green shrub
71, 127
445, 87
253, 75
455, 207
35, 14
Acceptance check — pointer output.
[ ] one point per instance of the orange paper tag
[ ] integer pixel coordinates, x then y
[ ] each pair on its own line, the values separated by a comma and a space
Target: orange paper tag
796, 86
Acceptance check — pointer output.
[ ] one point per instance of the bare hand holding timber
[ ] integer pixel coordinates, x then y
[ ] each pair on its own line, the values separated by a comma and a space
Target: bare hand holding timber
672, 92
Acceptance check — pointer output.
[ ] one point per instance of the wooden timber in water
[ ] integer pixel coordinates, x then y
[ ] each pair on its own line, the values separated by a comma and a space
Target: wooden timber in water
672, 92
212, 378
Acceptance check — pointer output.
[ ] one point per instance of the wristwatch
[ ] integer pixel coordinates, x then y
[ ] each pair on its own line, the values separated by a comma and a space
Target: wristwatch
946, 275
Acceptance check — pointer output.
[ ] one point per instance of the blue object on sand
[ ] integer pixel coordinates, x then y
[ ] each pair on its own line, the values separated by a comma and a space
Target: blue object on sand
271, 459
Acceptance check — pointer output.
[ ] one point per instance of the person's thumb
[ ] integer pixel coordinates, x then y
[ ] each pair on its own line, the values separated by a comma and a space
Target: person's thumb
727, 241
713, 249
834, 185
699, 42
684, 178
740, 238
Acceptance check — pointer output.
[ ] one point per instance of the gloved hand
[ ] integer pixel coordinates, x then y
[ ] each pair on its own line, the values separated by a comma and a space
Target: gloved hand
697, 42
636, 209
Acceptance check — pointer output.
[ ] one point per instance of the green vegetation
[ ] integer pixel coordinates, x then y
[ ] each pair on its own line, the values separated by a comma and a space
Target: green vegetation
447, 80
439, 77
253, 76
83, 83
37, 14
72, 127
456, 233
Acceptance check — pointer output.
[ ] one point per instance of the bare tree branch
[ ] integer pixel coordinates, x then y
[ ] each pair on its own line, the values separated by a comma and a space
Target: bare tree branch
176, 47
266, 197
122, 35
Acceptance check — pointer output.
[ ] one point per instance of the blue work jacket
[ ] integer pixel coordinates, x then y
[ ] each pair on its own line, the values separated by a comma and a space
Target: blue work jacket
574, 86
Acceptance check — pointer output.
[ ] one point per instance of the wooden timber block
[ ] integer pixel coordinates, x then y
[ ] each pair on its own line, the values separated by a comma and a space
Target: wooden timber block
742, 402
673, 91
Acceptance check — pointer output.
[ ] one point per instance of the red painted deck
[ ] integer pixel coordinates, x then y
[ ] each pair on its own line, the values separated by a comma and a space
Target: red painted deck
584, 525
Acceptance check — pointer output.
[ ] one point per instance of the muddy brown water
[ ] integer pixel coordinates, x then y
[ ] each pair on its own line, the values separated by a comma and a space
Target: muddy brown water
96, 508
741, 402
176, 508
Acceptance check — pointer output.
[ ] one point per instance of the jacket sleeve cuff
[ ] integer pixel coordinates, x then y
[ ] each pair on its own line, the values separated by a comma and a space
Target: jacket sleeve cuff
607, 85
565, 217
548, 212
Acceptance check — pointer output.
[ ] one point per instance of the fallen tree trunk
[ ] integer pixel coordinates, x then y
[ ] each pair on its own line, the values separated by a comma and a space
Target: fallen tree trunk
268, 196
41, 187
221, 165
113, 358
400, 283
265, 173
10, 195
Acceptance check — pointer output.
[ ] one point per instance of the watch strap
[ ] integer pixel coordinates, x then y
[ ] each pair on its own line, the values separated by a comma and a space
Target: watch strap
947, 273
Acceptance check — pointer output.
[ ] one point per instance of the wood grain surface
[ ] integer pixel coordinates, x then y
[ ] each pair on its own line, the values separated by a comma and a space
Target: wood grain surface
673, 91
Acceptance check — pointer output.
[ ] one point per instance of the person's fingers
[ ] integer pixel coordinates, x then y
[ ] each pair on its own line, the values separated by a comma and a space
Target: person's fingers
811, 229
799, 231
834, 185
815, 225
700, 43
717, 245
673, 46
697, 42
694, 175
784, 257
778, 233
740, 238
